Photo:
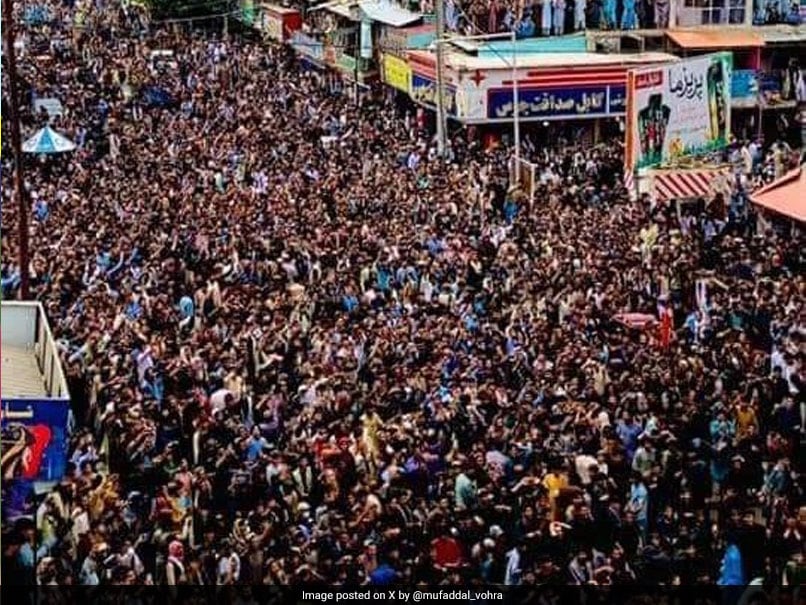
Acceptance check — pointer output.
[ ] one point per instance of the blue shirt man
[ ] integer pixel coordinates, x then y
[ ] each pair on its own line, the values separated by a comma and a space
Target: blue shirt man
628, 431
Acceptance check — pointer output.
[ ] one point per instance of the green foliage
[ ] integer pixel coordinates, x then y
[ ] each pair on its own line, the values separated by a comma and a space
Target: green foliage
180, 9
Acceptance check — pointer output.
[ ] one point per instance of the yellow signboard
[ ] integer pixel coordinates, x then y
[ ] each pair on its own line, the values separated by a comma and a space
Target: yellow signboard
397, 73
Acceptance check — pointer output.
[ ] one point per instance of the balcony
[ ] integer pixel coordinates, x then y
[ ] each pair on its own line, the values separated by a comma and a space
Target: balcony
558, 17
693, 13
775, 12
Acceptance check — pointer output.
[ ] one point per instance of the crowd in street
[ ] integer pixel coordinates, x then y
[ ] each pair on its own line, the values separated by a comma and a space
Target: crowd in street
302, 347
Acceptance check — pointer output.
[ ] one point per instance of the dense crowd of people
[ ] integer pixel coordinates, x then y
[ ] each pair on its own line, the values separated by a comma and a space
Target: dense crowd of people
302, 347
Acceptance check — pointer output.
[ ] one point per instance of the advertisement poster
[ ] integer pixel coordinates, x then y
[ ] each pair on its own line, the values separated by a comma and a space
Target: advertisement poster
678, 110
34, 439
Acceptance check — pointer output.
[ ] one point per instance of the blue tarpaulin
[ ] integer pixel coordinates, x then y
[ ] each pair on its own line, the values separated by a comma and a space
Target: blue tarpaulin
47, 141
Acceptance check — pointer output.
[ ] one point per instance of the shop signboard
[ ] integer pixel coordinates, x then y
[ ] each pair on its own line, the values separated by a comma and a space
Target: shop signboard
617, 101
545, 103
396, 73
272, 25
346, 63
277, 22
424, 90
744, 85
248, 12
679, 109
556, 103
366, 39
307, 46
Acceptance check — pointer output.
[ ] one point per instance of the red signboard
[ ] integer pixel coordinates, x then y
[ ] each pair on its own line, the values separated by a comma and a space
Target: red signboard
649, 79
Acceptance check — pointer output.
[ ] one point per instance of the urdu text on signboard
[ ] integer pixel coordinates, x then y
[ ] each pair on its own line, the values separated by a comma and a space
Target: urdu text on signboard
678, 110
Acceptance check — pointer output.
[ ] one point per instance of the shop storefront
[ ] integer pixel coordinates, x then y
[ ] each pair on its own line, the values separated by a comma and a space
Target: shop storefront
560, 94
553, 89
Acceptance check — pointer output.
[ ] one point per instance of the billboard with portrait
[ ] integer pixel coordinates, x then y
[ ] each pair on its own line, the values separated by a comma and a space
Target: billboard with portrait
34, 442
677, 110
34, 438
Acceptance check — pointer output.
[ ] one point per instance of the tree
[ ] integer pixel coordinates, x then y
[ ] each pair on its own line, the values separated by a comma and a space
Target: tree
180, 9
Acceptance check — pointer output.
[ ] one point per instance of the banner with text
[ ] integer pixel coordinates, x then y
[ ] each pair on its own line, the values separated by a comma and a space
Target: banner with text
678, 110
550, 103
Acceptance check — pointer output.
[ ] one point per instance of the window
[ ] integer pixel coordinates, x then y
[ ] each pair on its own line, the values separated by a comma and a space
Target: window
711, 12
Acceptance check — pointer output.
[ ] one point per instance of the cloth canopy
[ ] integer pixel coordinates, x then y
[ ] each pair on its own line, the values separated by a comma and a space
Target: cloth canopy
786, 196
48, 140
389, 14
718, 39
380, 11
688, 184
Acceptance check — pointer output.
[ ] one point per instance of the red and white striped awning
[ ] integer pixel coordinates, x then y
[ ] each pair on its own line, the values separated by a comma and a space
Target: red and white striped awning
687, 184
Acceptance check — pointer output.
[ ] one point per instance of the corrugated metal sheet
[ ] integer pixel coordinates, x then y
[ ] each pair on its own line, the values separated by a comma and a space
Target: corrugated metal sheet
384, 12
389, 13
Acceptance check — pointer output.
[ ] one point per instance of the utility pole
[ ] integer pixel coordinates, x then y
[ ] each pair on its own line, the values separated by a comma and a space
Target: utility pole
441, 125
359, 32
516, 102
16, 145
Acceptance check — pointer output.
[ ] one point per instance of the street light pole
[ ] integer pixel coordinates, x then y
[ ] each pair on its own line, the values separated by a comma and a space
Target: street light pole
16, 145
355, 64
513, 63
